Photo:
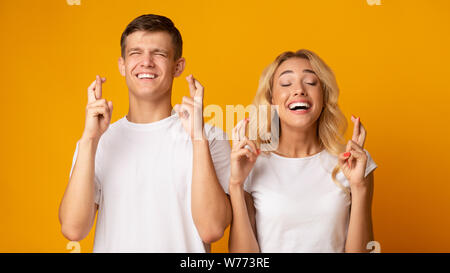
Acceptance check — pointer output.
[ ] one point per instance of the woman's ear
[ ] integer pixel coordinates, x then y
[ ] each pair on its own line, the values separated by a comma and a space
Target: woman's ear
121, 63
179, 67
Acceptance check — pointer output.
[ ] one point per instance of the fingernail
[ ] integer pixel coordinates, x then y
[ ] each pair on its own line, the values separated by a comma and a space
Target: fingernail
347, 154
258, 151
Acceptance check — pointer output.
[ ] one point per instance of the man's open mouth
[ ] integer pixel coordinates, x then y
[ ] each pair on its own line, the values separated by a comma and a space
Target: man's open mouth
146, 76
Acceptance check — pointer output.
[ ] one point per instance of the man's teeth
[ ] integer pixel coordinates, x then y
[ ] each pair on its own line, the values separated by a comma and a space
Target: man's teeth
299, 106
146, 76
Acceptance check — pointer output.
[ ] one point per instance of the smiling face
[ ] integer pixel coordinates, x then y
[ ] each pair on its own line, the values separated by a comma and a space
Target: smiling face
149, 65
298, 93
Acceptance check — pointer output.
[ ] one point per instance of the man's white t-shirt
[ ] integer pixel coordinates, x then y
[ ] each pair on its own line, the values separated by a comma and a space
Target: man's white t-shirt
298, 206
143, 175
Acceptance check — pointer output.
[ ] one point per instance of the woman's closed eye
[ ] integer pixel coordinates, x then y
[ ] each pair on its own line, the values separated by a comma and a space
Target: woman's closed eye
313, 83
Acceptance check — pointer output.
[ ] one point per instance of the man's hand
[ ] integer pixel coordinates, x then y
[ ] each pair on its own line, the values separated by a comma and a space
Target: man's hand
191, 110
98, 111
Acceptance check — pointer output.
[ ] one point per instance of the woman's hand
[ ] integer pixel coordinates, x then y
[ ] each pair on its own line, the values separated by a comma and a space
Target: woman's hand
353, 161
243, 154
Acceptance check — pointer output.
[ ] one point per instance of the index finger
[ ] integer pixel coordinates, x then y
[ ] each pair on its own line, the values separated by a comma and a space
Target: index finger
198, 89
235, 133
91, 92
362, 136
98, 87
356, 130
190, 80
243, 129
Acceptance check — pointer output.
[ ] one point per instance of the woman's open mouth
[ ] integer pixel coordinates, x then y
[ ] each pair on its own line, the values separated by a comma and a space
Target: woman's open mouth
299, 107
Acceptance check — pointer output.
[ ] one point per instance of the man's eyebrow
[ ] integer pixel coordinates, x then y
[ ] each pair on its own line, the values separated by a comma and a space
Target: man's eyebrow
134, 49
160, 50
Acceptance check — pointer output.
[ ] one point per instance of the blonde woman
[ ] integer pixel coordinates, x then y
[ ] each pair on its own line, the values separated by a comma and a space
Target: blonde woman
312, 192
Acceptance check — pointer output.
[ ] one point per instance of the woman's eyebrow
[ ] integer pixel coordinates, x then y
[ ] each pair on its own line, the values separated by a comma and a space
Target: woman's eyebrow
290, 71
309, 71
285, 72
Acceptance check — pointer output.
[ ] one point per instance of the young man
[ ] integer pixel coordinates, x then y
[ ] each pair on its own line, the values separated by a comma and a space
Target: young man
157, 179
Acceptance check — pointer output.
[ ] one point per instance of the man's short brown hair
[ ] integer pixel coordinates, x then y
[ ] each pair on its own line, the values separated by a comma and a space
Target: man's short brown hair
154, 23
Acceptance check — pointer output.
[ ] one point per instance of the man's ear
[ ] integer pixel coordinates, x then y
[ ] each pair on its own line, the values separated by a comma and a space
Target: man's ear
179, 67
122, 66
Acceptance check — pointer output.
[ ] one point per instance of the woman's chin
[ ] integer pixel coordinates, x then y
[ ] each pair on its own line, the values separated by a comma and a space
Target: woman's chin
299, 123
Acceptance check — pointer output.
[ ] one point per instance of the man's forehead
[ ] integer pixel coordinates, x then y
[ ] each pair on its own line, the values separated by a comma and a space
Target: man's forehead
149, 40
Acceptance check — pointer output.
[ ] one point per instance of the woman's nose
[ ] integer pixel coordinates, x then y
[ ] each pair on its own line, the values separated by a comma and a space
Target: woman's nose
299, 92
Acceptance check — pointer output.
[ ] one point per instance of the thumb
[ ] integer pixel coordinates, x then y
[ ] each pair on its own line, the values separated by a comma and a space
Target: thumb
342, 159
176, 108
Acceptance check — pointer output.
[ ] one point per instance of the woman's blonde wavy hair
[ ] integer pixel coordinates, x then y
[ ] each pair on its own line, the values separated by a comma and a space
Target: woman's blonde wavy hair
332, 122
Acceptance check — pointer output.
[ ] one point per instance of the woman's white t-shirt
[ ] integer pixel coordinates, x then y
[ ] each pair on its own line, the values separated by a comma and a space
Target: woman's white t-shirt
143, 176
298, 206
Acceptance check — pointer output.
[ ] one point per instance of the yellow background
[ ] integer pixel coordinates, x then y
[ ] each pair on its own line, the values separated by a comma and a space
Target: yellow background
391, 62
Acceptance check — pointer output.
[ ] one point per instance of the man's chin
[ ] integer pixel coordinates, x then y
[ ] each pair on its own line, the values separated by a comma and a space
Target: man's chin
147, 93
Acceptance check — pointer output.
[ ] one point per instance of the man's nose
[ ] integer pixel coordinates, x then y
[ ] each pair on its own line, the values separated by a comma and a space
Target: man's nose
148, 60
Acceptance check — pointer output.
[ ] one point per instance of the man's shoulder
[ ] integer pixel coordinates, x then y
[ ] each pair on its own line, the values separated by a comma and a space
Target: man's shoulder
115, 126
215, 133
112, 131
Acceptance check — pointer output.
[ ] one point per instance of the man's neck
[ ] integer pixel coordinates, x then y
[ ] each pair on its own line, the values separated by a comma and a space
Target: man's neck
147, 111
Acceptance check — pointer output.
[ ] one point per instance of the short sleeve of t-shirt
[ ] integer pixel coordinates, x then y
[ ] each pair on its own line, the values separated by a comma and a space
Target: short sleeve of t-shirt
247, 183
371, 165
220, 150
97, 184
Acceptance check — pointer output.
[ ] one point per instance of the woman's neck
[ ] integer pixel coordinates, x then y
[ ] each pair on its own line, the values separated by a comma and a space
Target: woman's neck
298, 143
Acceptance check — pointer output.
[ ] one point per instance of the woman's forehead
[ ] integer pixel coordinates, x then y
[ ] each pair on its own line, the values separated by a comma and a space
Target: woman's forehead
294, 65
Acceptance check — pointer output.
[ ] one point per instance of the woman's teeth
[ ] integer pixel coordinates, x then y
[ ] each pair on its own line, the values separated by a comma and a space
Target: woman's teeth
299, 106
